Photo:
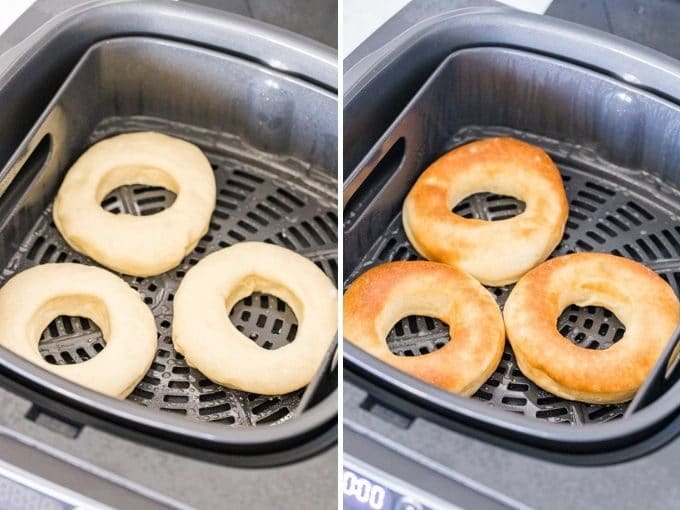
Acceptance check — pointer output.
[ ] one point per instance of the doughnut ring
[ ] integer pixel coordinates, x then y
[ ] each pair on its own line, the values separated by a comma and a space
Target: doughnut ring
32, 299
494, 252
384, 294
136, 245
209, 341
640, 298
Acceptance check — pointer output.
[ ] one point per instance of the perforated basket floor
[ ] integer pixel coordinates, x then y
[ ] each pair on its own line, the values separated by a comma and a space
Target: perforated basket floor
260, 198
613, 210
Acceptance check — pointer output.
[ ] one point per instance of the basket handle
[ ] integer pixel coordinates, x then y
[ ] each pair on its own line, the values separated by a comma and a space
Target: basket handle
27, 163
319, 382
665, 373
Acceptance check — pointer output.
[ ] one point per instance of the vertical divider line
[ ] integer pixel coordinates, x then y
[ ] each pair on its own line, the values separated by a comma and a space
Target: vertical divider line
341, 276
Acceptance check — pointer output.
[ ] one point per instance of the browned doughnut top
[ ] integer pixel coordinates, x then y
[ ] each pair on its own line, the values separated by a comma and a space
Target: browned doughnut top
640, 298
494, 252
383, 295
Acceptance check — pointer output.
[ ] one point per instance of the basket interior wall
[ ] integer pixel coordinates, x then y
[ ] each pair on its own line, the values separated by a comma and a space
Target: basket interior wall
606, 123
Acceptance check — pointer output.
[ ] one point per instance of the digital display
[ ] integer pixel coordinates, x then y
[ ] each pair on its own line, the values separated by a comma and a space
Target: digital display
359, 492
362, 493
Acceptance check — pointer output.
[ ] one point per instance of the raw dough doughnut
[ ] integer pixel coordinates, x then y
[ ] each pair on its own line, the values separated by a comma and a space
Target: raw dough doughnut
494, 252
136, 245
32, 299
209, 341
383, 295
641, 299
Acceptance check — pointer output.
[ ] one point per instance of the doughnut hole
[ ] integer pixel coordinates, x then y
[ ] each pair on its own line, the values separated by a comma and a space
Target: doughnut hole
416, 335
69, 340
138, 200
266, 319
135, 190
489, 207
590, 327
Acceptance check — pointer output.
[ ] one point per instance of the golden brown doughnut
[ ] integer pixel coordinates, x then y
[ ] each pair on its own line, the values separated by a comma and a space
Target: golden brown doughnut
494, 252
640, 298
384, 294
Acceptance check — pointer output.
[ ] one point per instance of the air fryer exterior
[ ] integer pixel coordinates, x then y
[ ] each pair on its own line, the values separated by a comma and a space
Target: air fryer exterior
392, 411
69, 422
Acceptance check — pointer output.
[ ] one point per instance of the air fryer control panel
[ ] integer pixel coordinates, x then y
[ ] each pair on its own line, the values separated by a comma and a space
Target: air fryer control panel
366, 488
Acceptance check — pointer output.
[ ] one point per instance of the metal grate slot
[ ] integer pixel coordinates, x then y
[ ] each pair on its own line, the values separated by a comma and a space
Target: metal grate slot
138, 200
265, 319
416, 335
70, 340
591, 327
608, 213
490, 207
257, 201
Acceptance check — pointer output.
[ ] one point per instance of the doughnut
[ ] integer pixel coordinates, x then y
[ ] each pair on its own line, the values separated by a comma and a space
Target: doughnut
204, 334
32, 299
641, 299
136, 245
384, 294
494, 252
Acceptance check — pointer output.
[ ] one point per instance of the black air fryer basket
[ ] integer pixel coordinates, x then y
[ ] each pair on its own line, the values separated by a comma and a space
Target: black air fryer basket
262, 105
607, 111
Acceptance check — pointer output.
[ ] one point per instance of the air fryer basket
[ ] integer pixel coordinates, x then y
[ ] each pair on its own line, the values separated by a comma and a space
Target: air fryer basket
272, 142
618, 151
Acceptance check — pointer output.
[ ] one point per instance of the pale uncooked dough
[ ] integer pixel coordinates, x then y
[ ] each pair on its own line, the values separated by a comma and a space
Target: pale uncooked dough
32, 299
204, 334
137, 245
